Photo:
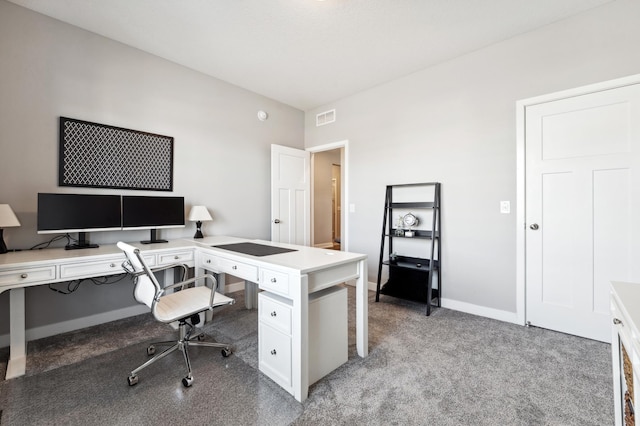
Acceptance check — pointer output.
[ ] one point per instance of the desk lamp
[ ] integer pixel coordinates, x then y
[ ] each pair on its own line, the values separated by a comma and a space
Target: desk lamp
7, 219
199, 214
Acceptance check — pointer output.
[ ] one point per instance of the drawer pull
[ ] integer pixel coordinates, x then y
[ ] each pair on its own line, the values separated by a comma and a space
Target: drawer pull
274, 314
113, 265
176, 257
273, 280
616, 321
273, 351
208, 260
234, 267
24, 276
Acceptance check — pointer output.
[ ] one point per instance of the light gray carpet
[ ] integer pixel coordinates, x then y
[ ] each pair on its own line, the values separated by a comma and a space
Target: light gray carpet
447, 369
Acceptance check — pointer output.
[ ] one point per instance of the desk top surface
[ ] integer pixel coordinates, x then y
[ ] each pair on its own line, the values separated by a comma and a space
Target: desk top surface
628, 298
304, 259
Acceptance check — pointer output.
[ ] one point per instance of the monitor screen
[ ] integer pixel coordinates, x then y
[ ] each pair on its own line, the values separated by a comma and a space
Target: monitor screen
60, 213
149, 212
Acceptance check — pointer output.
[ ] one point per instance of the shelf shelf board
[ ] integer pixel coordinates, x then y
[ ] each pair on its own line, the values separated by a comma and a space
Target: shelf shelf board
413, 205
412, 263
418, 233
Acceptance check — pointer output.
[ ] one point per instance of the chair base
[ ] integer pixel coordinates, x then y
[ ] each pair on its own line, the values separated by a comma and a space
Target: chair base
186, 340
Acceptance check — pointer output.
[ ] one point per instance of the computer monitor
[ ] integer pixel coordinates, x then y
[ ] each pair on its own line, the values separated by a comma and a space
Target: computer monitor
151, 212
82, 213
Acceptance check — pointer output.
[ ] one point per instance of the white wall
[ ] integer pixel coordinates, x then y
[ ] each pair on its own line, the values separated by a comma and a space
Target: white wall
455, 123
50, 69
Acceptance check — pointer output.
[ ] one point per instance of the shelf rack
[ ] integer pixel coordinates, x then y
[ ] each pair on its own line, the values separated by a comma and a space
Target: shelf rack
412, 277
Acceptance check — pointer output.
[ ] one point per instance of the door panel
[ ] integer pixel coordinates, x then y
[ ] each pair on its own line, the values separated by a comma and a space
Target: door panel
290, 195
582, 191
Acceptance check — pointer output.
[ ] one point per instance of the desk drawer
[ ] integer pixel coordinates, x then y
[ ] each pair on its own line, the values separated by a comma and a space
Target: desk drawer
185, 256
275, 281
92, 269
207, 261
237, 269
274, 356
275, 312
28, 275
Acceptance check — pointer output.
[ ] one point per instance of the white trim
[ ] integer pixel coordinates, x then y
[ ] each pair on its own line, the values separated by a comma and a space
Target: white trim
78, 323
482, 311
344, 167
469, 308
324, 245
232, 288
521, 107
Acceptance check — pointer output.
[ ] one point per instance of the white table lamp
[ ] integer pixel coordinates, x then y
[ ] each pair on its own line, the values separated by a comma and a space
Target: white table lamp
199, 214
7, 219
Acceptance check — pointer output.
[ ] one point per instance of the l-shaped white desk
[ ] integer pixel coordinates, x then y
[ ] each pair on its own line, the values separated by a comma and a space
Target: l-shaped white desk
293, 276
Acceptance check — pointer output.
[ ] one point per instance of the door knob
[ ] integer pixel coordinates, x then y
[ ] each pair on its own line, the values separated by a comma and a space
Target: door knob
534, 226
276, 221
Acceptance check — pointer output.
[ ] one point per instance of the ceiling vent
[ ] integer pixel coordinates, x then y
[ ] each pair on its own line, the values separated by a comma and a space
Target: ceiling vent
326, 117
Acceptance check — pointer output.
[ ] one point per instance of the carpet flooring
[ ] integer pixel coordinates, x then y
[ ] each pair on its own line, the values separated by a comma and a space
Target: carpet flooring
447, 369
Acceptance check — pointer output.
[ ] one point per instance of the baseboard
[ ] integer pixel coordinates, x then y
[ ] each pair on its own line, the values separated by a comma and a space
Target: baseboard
328, 245
233, 287
482, 311
78, 323
472, 309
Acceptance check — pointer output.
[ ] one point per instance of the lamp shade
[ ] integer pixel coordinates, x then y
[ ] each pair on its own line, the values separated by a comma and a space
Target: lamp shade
7, 217
199, 214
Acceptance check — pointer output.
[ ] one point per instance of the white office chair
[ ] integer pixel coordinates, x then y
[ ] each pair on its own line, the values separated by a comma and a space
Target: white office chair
183, 305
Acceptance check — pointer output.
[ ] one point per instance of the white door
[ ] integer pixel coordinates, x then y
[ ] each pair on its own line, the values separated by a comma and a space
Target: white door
290, 195
582, 211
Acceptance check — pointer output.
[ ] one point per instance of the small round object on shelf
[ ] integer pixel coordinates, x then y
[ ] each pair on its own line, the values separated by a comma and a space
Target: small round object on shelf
410, 219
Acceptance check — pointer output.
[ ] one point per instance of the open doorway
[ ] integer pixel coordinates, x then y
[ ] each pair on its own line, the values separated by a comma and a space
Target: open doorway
327, 199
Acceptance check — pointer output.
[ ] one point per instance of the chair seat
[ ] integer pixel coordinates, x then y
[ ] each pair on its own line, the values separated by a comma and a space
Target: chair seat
184, 303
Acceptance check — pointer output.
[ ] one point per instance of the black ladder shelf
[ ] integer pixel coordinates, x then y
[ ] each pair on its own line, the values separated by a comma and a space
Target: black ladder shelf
412, 277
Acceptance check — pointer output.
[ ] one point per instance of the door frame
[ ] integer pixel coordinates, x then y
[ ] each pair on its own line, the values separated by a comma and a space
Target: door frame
521, 202
344, 177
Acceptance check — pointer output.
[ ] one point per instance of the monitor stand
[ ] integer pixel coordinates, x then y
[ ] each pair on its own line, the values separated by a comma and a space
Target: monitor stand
83, 243
153, 239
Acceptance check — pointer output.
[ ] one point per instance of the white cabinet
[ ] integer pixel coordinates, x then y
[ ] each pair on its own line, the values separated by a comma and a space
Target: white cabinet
625, 349
328, 344
328, 341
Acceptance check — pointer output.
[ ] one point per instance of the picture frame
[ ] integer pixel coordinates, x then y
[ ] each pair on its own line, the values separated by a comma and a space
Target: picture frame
102, 156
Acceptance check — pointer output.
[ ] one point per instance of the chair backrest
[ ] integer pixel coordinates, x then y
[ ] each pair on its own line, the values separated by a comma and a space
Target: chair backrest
147, 286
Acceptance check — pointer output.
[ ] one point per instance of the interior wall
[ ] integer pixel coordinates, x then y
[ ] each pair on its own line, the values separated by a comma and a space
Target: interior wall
322, 196
221, 150
455, 123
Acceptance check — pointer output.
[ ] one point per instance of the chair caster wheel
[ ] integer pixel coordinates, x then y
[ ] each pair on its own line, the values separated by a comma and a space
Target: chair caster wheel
133, 380
226, 352
151, 350
201, 337
187, 381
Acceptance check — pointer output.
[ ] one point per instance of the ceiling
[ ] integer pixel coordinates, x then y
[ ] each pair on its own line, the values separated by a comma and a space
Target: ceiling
306, 53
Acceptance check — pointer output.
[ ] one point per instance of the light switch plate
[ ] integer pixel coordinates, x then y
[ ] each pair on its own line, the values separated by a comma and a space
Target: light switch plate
505, 207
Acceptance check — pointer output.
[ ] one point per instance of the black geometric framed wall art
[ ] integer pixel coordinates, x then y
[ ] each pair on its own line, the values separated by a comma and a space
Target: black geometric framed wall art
101, 156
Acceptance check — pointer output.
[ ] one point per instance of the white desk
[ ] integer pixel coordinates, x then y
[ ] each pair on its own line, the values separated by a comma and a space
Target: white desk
625, 314
293, 276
